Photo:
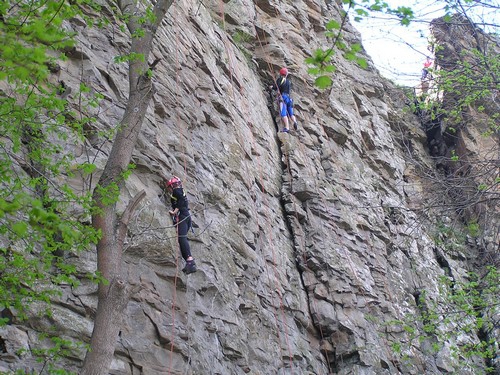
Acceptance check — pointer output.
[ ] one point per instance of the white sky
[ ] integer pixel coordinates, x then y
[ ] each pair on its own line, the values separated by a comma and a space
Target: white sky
398, 51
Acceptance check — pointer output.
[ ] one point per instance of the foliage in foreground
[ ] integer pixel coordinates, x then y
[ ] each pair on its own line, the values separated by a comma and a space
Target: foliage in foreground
42, 218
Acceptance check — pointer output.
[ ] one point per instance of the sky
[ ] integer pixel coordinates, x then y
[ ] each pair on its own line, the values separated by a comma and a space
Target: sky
399, 51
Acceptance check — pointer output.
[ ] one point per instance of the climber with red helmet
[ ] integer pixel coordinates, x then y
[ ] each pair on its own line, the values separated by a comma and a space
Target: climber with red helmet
283, 86
182, 220
425, 70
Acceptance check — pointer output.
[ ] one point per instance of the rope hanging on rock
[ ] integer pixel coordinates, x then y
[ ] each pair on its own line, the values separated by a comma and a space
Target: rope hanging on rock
269, 232
174, 298
290, 177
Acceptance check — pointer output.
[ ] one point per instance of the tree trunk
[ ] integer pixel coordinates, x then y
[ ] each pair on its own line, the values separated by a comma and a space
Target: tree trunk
113, 296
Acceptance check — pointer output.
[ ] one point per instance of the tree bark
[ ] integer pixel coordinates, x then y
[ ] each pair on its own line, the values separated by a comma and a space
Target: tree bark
113, 296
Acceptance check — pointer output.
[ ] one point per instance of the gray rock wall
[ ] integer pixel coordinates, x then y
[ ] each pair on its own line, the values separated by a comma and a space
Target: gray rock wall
306, 243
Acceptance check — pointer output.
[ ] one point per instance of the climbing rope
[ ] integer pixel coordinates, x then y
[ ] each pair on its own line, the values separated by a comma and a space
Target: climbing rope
287, 158
183, 148
268, 232
288, 161
308, 280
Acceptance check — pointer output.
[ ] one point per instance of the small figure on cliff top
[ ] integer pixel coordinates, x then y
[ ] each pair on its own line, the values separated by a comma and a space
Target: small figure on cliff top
182, 220
283, 85
425, 70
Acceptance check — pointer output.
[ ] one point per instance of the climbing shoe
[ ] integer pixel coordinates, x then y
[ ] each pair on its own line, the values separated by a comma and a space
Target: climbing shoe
285, 130
190, 267
295, 125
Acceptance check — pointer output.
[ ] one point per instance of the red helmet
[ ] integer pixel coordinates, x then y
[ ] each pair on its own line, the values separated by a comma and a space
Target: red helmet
174, 181
284, 71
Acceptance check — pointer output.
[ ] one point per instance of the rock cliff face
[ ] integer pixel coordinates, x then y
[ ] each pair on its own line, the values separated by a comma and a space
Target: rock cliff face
309, 245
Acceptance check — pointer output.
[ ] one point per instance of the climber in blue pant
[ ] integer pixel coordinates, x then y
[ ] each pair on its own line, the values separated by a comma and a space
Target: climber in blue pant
284, 85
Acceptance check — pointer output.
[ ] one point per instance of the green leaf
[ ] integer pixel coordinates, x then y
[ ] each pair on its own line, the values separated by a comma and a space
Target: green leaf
323, 82
361, 12
332, 25
349, 55
329, 69
20, 228
362, 62
310, 60
356, 47
482, 187
87, 168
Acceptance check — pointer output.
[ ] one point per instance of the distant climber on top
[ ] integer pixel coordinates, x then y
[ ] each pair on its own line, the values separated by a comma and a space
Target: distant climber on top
283, 85
182, 220
425, 70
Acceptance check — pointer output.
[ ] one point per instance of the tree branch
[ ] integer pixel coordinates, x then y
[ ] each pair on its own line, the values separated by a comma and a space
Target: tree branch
127, 214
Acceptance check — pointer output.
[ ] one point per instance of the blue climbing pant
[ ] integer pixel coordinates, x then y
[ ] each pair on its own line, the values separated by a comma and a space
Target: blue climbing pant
286, 105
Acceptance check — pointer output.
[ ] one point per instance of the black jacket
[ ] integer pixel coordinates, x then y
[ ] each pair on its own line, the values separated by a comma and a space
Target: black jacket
283, 84
179, 200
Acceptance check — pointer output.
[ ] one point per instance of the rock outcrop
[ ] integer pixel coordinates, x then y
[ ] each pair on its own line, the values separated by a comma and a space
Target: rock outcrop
312, 247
